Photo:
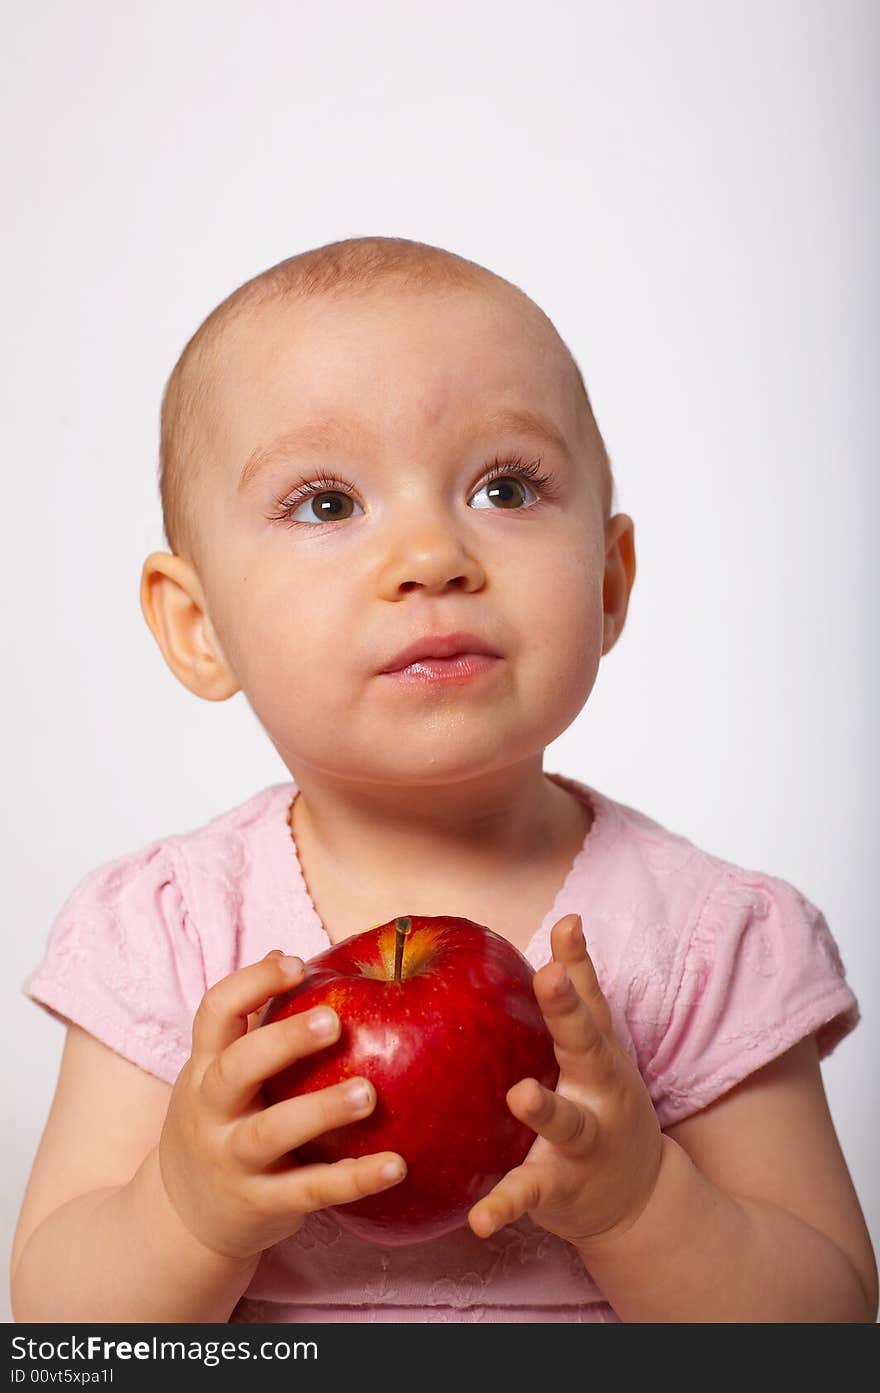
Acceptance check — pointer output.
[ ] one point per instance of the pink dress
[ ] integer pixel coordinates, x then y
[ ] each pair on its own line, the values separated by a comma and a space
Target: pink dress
710, 970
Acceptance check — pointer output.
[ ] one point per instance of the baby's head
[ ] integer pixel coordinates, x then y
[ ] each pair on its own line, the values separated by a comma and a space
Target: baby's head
326, 439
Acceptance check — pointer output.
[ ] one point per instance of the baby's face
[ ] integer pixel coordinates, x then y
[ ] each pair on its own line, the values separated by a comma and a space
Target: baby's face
310, 594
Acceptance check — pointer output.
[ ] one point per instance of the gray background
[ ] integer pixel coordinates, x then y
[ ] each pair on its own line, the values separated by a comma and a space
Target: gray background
689, 190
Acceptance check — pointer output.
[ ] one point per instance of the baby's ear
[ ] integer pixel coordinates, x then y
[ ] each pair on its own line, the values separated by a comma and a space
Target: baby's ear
174, 607
620, 573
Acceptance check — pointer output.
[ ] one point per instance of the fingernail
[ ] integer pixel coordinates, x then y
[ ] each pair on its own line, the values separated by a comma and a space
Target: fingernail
393, 1170
322, 1022
290, 966
357, 1094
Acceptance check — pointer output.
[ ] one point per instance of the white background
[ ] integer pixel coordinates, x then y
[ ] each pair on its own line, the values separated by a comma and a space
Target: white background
689, 190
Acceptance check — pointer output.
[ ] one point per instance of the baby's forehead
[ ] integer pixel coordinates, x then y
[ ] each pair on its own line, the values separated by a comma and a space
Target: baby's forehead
505, 320
476, 351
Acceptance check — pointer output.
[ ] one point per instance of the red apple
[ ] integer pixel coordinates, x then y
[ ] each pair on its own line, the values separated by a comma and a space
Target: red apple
439, 1014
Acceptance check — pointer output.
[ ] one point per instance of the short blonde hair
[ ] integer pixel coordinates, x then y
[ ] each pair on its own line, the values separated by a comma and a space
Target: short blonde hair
355, 266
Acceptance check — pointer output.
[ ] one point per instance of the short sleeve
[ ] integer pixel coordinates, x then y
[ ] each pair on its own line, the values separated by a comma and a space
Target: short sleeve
761, 972
123, 961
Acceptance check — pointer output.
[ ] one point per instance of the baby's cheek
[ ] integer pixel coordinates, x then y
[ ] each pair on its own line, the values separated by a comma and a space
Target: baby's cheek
564, 665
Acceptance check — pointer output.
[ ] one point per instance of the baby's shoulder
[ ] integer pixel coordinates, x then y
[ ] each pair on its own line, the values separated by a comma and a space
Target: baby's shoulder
698, 914
665, 875
255, 812
712, 967
189, 879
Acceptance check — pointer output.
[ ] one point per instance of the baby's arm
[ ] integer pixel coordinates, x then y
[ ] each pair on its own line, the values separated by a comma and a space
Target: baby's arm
153, 1204
96, 1236
743, 1212
754, 1217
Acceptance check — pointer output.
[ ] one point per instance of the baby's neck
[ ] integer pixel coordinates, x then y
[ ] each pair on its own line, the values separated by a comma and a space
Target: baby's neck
489, 847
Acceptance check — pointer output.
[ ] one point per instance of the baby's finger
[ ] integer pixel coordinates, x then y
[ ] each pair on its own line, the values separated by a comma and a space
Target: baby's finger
223, 1011
305, 1189
582, 1050
568, 946
268, 1134
566, 1124
516, 1194
234, 1077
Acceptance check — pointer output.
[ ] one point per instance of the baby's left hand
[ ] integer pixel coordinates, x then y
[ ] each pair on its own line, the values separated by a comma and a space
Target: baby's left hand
594, 1163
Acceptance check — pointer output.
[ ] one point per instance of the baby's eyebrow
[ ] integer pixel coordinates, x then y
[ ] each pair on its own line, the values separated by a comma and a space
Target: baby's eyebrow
326, 433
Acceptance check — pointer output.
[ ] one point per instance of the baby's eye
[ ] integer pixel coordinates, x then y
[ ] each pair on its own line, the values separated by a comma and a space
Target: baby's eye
326, 506
502, 490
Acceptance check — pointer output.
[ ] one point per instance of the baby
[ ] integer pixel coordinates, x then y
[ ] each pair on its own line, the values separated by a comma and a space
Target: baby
335, 439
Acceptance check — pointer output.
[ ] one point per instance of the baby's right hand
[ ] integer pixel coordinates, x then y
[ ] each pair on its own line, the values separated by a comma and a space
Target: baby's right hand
223, 1154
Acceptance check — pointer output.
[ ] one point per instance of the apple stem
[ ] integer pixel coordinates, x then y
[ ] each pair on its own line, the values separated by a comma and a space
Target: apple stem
403, 926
